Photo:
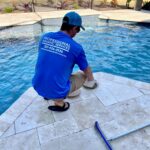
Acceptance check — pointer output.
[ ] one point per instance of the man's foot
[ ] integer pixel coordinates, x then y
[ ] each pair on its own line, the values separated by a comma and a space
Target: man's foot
59, 108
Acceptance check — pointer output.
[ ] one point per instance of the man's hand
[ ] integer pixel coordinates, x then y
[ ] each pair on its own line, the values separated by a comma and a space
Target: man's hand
90, 84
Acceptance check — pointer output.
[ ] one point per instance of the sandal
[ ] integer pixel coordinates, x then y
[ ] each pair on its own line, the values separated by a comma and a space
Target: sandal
60, 108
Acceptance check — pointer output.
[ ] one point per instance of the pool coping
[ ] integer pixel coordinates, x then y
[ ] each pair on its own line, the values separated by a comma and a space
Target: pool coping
15, 19
126, 15
32, 18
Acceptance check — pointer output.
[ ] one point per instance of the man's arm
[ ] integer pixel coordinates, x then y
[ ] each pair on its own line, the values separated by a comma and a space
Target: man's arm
89, 74
90, 82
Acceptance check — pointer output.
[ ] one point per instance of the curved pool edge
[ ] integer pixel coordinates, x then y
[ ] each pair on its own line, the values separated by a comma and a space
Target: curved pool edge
126, 15
32, 18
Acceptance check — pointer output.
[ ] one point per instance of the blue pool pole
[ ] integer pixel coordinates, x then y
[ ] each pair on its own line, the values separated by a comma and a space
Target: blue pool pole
109, 147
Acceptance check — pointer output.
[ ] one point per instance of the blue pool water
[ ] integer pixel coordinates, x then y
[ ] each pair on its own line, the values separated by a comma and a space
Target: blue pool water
117, 48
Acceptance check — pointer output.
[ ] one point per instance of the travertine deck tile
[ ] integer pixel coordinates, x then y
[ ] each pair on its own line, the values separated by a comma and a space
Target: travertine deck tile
123, 92
3, 127
17, 18
88, 111
84, 140
126, 15
128, 116
142, 85
10, 131
106, 97
19, 106
110, 92
74, 99
135, 141
58, 14
145, 91
58, 129
35, 115
87, 93
116, 111
143, 101
24, 141
59, 116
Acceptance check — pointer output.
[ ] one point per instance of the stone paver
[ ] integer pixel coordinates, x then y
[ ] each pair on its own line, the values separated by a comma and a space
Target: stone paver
36, 115
135, 141
24, 141
110, 91
10, 131
88, 111
84, 140
145, 91
17, 18
128, 116
3, 127
58, 129
116, 113
126, 15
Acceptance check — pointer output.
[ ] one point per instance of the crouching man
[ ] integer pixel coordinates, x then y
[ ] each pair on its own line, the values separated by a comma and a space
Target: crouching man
57, 55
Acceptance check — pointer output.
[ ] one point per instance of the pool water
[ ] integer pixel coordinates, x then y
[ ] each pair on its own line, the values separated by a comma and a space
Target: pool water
117, 48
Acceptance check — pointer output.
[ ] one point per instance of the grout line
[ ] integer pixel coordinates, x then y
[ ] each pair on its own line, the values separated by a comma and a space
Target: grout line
14, 127
16, 119
38, 138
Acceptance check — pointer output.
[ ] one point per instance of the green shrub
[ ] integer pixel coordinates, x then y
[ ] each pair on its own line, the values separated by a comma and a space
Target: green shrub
146, 6
8, 9
114, 3
128, 3
76, 6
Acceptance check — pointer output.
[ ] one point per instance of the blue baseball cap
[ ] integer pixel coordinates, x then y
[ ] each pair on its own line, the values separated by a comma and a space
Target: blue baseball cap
73, 19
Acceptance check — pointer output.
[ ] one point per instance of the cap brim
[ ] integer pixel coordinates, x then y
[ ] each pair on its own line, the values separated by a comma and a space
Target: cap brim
82, 28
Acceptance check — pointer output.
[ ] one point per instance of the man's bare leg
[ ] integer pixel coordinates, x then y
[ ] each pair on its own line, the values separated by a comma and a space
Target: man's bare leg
59, 102
77, 80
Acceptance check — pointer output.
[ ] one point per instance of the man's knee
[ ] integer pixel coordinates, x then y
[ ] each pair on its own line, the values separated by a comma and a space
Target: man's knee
81, 76
77, 80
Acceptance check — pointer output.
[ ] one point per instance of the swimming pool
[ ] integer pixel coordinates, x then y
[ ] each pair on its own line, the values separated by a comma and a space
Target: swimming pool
115, 47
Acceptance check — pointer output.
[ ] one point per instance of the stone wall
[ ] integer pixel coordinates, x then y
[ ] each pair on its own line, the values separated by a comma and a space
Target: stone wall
45, 2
